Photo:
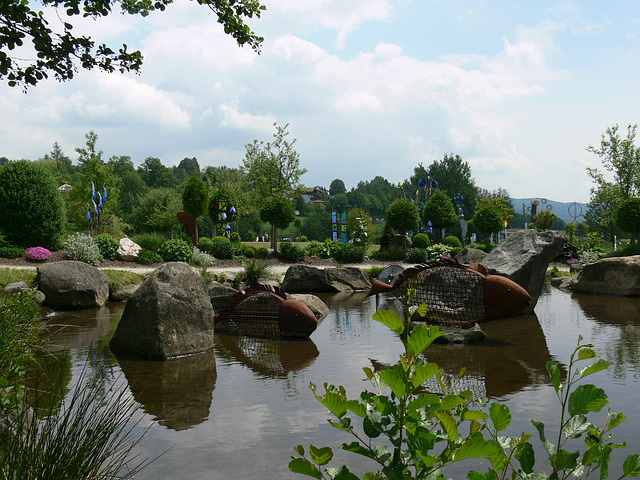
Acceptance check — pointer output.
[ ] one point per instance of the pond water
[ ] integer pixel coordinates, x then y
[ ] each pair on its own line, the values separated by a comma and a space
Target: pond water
238, 411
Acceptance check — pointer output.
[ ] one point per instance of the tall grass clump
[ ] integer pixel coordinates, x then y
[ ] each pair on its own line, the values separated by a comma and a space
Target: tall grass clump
256, 270
89, 434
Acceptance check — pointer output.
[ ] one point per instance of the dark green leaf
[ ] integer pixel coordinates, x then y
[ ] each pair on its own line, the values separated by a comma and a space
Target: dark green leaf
421, 337
391, 319
595, 367
304, 467
320, 456
394, 377
449, 424
500, 416
631, 466
341, 473
548, 446
554, 374
475, 446
576, 426
564, 460
334, 402
585, 399
586, 353
526, 456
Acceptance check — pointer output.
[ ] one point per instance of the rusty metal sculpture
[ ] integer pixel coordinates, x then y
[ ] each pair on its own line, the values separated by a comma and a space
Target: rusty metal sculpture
265, 311
457, 295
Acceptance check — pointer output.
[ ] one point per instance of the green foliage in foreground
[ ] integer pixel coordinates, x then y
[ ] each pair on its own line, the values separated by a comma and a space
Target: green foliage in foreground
47, 434
412, 434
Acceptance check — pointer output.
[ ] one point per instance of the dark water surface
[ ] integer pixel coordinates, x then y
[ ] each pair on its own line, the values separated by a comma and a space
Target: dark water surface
238, 411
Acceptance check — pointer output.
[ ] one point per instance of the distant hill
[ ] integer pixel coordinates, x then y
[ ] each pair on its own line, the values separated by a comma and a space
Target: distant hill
561, 209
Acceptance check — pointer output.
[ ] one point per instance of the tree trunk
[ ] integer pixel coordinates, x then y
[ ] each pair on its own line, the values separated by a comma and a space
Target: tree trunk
274, 238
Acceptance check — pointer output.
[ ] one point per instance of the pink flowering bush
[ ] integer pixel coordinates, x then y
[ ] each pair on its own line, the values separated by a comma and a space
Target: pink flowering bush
37, 254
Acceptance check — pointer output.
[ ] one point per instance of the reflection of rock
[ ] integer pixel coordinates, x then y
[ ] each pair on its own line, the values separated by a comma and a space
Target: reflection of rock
610, 276
267, 357
178, 392
169, 315
72, 284
524, 257
512, 358
303, 279
609, 309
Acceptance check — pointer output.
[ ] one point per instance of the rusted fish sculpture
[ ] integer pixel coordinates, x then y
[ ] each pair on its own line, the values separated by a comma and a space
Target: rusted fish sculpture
265, 311
457, 295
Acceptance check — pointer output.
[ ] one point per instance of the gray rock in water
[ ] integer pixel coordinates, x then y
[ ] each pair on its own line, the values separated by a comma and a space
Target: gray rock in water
17, 287
72, 284
524, 258
303, 278
315, 304
220, 295
610, 276
471, 255
170, 315
122, 293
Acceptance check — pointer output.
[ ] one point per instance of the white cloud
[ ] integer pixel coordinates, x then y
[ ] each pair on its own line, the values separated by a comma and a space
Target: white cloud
233, 118
343, 16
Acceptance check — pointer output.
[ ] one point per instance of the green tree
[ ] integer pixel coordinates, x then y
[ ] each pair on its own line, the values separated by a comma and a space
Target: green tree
185, 169
91, 179
403, 216
488, 219
157, 210
504, 205
60, 52
336, 187
453, 176
544, 219
272, 169
621, 158
317, 226
440, 211
628, 218
63, 162
32, 211
155, 174
194, 199
278, 211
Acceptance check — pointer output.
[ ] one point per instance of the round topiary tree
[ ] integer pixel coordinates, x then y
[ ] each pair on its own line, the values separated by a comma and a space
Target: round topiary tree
628, 218
488, 220
277, 211
32, 211
440, 211
402, 216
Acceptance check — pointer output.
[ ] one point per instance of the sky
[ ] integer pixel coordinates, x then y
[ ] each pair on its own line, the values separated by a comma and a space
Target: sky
367, 88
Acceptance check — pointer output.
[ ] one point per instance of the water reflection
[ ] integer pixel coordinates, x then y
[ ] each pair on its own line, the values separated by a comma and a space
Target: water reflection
512, 358
622, 344
267, 357
177, 392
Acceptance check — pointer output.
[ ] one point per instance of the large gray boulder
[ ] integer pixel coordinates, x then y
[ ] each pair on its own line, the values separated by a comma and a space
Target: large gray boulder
304, 279
72, 284
524, 258
610, 276
471, 255
170, 315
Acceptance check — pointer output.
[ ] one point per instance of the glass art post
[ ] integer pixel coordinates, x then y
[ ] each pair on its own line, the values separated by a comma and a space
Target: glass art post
95, 221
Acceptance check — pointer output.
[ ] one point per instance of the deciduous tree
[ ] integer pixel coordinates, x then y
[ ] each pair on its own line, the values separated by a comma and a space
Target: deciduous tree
440, 211
403, 216
194, 199
621, 158
278, 211
59, 52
